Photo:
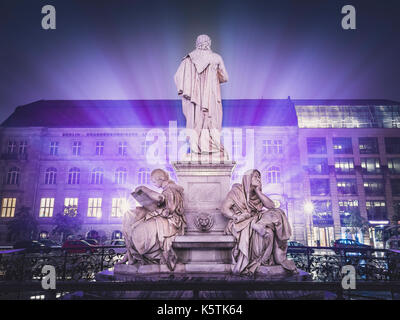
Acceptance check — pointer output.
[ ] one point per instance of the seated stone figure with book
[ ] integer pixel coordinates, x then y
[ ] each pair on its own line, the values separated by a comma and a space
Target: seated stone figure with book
150, 229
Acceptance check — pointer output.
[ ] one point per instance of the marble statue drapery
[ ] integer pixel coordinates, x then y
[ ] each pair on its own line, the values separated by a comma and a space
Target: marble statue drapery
198, 81
149, 234
261, 233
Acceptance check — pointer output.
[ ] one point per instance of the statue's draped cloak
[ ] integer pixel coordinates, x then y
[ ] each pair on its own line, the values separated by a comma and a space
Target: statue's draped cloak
252, 249
149, 235
198, 81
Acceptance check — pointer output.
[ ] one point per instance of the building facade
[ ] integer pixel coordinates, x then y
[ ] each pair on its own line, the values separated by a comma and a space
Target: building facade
321, 161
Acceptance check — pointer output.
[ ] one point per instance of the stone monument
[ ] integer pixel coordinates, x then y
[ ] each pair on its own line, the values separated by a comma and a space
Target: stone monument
202, 225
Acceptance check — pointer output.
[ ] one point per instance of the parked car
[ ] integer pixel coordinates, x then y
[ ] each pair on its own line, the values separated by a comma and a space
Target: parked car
50, 243
78, 246
297, 247
350, 245
118, 243
93, 242
32, 246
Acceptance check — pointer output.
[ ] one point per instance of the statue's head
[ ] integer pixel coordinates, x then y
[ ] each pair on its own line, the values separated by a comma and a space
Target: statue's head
203, 42
158, 177
251, 179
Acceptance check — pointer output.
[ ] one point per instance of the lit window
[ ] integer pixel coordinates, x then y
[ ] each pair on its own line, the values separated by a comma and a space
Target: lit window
46, 207
342, 146
99, 148
76, 148
368, 145
144, 176
71, 206
376, 210
123, 148
12, 147
118, 207
13, 176
370, 165
346, 209
22, 147
274, 175
53, 148
145, 146
120, 176
50, 176
8, 207
374, 187
316, 145
319, 187
94, 207
97, 176
272, 147
347, 186
318, 166
74, 176
344, 165
394, 165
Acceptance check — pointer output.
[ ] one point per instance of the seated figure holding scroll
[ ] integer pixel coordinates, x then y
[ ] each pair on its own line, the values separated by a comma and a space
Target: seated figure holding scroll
260, 229
150, 230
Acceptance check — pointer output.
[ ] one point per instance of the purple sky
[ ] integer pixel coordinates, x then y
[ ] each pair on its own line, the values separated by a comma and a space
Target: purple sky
131, 49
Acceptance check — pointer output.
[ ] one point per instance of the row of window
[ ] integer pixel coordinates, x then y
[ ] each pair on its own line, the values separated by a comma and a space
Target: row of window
372, 187
322, 209
269, 147
346, 165
118, 207
120, 175
74, 176
376, 210
343, 145
17, 147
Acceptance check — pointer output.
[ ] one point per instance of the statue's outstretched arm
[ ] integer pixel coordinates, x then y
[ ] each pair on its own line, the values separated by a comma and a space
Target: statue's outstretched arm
226, 208
228, 212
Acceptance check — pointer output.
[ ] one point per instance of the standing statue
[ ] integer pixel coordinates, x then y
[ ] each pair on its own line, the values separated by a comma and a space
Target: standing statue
260, 229
198, 81
150, 230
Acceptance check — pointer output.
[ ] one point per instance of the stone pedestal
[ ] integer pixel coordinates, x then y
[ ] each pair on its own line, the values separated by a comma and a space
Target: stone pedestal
204, 244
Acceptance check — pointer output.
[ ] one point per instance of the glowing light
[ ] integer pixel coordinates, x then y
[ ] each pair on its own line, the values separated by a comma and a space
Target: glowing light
308, 207
125, 206
378, 222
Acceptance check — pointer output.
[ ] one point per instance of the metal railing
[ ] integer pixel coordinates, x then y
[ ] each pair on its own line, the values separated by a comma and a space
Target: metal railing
377, 270
322, 263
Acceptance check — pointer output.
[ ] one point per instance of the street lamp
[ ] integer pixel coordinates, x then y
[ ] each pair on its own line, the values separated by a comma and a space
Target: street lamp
309, 209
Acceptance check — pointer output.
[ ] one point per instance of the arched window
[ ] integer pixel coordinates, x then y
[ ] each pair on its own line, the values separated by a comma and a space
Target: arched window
274, 175
97, 176
120, 176
13, 176
144, 176
74, 175
50, 176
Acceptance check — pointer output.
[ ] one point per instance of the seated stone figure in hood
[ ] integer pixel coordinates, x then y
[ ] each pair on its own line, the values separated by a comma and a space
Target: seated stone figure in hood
260, 229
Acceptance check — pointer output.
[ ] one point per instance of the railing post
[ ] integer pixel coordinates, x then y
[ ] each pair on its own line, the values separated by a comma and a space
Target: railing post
65, 265
102, 258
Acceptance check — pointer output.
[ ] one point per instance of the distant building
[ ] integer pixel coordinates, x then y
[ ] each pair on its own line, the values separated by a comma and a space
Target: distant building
320, 160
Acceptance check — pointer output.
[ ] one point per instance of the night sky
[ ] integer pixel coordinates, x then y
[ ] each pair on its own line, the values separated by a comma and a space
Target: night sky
131, 49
